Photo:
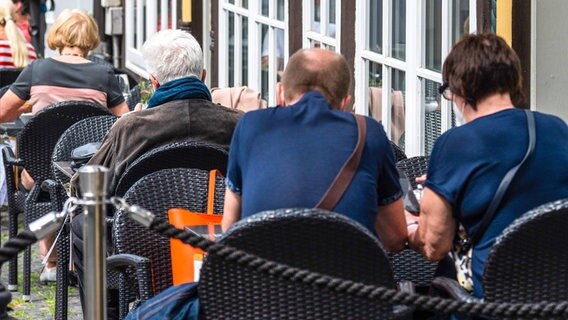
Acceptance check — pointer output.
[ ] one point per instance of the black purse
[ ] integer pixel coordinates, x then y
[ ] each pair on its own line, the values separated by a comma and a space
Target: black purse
81, 155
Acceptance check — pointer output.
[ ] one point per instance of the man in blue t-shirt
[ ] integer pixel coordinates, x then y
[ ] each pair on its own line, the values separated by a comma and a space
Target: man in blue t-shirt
288, 156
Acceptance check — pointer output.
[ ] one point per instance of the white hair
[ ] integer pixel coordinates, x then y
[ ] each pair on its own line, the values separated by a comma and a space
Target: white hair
173, 54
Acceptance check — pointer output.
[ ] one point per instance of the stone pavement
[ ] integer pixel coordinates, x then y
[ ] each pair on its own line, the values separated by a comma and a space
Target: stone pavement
42, 305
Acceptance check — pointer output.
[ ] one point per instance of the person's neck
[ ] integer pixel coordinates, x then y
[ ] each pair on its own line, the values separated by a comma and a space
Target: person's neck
492, 104
72, 51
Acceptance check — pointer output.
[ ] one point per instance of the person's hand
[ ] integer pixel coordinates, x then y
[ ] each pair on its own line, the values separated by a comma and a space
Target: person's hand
139, 106
421, 179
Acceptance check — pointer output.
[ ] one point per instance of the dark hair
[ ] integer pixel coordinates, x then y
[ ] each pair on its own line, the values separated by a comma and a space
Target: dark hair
481, 65
320, 70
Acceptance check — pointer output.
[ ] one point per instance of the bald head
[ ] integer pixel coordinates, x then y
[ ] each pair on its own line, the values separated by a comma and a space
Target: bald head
320, 70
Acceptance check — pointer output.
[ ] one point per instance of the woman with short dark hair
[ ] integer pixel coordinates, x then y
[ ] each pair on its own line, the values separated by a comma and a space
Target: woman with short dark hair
482, 78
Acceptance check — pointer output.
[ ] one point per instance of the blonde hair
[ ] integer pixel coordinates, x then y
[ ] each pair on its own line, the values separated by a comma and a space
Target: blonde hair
15, 37
73, 28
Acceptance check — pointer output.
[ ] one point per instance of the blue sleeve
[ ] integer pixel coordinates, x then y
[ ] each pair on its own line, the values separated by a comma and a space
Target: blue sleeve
234, 174
448, 168
23, 84
388, 185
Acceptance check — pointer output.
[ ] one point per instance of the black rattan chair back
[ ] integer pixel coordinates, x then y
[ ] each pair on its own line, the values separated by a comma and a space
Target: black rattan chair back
409, 265
185, 154
528, 262
88, 130
312, 239
398, 152
158, 192
413, 167
41, 133
9, 76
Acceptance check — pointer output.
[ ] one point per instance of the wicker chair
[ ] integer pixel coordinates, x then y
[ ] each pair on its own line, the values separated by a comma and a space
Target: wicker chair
35, 146
88, 130
409, 265
185, 154
158, 192
9, 76
527, 263
398, 152
311, 239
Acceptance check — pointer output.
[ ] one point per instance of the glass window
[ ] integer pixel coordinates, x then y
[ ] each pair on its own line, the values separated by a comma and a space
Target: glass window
244, 49
231, 55
432, 114
280, 10
460, 20
399, 29
433, 35
264, 8
375, 17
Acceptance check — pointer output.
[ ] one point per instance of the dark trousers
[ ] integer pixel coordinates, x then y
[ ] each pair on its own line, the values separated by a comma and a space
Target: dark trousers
77, 248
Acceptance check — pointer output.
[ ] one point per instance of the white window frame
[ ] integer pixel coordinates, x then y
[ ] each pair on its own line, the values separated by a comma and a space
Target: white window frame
133, 56
309, 35
413, 67
255, 22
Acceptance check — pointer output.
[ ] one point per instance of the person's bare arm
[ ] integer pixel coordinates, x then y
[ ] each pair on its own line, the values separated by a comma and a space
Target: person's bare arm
232, 209
434, 234
10, 106
120, 109
391, 226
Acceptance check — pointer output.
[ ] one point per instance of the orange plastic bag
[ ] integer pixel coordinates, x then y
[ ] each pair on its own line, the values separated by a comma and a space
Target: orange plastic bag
186, 260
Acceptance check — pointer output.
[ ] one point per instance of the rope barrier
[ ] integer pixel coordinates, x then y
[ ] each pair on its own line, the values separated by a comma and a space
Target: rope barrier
391, 296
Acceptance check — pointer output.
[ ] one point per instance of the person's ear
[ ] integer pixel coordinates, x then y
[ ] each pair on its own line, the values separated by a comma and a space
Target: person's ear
155, 83
203, 75
345, 102
280, 94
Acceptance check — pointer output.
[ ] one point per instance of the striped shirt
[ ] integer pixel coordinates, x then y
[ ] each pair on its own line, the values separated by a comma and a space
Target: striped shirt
6, 60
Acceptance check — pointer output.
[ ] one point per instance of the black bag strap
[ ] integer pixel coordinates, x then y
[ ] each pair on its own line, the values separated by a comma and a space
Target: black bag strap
345, 175
490, 214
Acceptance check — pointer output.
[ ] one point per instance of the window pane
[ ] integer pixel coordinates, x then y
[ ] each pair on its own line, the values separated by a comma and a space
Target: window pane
245, 4
231, 1
244, 49
315, 43
433, 35
375, 26
264, 63
264, 8
398, 85
231, 56
328, 47
460, 19
280, 10
399, 29
433, 114
375, 81
331, 19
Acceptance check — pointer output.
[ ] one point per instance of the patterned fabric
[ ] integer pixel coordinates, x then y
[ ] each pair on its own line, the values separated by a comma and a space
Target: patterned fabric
6, 60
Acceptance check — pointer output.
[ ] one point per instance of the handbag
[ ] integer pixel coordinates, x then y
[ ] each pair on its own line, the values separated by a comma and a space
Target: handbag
207, 223
463, 245
347, 171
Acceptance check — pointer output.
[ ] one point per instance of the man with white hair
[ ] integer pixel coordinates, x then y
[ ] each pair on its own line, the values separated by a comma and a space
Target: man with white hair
175, 62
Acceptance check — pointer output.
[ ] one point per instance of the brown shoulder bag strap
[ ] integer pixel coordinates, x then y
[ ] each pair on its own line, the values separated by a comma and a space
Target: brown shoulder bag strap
345, 175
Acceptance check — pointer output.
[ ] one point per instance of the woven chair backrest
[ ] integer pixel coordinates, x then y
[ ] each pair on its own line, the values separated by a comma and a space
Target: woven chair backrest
312, 239
88, 130
158, 192
184, 154
414, 167
41, 133
528, 261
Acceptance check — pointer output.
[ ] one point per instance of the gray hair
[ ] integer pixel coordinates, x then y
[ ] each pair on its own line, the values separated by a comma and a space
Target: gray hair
173, 54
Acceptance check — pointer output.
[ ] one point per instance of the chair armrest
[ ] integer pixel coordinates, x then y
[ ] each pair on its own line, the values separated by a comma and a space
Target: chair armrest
56, 192
9, 157
119, 262
403, 311
452, 288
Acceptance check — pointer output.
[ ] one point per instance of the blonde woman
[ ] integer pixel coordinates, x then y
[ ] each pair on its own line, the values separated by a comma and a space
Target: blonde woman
15, 52
68, 76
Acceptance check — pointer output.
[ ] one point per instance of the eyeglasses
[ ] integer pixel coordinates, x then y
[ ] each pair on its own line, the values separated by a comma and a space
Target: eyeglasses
444, 90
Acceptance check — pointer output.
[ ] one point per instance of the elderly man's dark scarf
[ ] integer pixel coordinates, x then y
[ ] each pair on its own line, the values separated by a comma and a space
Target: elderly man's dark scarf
179, 89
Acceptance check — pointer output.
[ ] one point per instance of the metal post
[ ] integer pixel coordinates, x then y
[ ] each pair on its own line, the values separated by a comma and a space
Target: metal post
92, 183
